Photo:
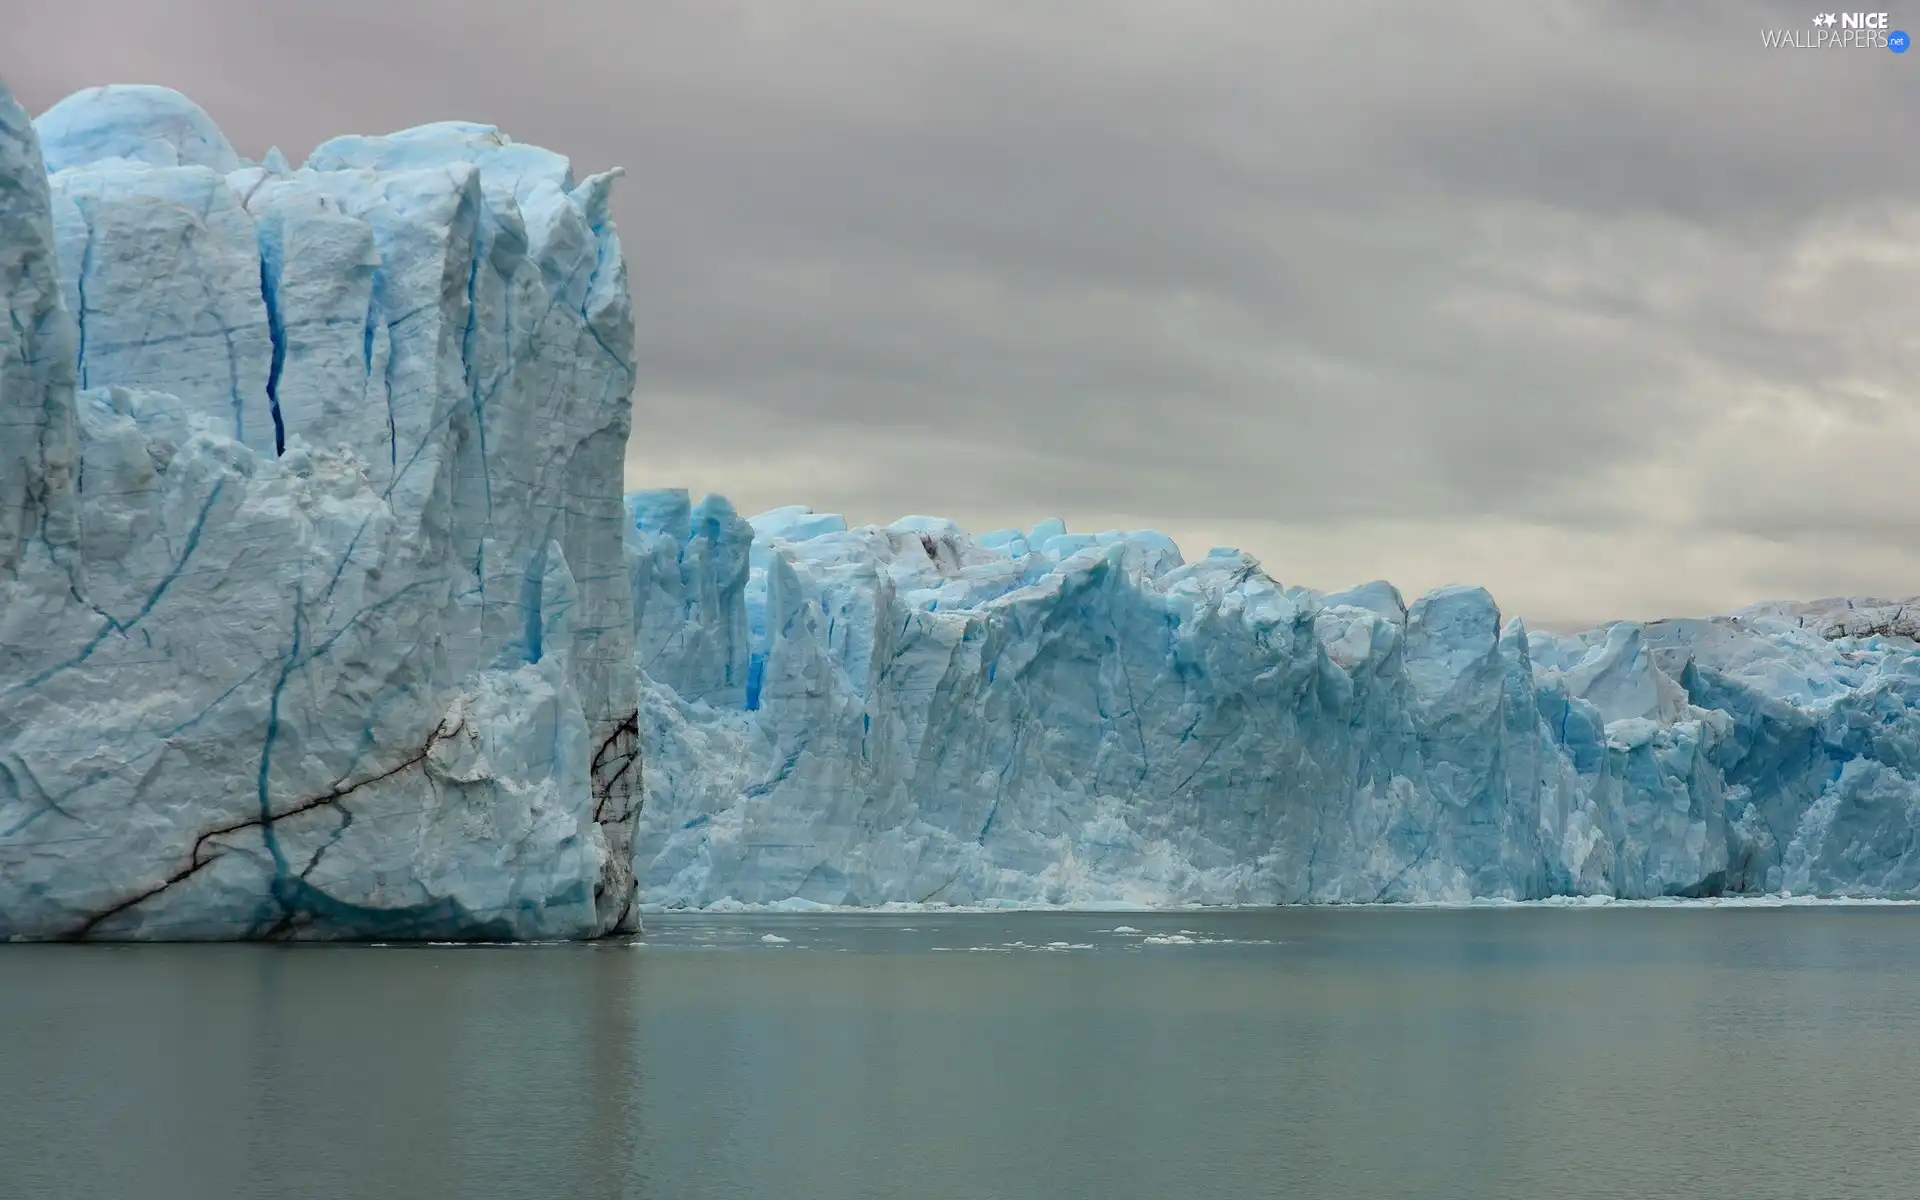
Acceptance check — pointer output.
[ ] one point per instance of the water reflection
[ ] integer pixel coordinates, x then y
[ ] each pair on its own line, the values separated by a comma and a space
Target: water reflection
1571, 1054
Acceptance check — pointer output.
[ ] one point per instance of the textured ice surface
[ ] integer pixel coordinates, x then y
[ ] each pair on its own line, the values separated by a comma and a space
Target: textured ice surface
1044, 717
313, 618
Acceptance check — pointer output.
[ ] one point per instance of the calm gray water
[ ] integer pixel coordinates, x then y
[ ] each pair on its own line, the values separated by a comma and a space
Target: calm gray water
1537, 1053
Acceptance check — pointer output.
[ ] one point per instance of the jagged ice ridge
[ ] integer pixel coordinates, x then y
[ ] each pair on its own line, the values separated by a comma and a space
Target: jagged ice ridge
906, 714
313, 620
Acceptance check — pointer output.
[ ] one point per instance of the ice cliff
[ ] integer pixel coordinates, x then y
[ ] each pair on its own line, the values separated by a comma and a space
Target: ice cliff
313, 619
910, 714
321, 616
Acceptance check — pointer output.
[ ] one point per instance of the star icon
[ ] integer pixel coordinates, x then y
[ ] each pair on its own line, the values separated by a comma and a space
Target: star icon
1827, 19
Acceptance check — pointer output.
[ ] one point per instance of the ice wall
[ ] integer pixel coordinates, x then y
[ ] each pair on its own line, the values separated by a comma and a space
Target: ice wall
1044, 717
313, 615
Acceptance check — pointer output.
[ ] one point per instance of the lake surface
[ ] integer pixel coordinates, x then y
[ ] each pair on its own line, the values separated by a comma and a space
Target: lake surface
1352, 1053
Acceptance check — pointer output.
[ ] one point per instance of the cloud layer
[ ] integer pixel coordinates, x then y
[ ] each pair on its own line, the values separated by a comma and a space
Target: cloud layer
1599, 304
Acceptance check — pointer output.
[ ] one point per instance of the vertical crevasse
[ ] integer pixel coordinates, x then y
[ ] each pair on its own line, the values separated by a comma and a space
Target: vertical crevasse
337, 643
1044, 717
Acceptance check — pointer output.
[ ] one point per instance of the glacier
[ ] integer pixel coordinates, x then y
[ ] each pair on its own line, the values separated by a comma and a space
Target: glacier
909, 715
314, 615
322, 615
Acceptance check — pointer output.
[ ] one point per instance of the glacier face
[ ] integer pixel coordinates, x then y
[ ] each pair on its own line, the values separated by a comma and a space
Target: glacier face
909, 714
314, 620
321, 615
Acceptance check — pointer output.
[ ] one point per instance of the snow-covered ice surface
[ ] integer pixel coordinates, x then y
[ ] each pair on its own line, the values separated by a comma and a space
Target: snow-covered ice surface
909, 716
312, 615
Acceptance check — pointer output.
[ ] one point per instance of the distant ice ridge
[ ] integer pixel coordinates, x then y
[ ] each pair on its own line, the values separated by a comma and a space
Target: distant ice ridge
907, 714
313, 621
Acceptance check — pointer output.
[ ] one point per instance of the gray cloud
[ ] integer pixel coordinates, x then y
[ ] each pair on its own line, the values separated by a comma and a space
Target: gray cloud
1597, 303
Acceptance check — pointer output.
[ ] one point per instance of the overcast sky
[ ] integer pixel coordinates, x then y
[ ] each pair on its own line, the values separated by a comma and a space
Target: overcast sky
1601, 305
